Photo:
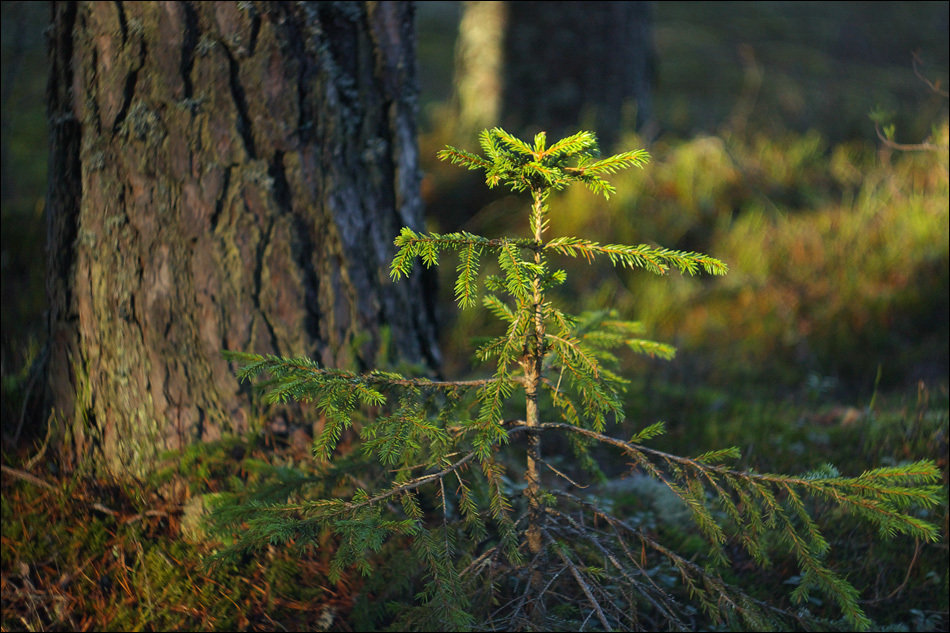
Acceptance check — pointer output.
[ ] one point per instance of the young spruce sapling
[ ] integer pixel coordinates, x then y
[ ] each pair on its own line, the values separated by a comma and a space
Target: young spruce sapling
554, 556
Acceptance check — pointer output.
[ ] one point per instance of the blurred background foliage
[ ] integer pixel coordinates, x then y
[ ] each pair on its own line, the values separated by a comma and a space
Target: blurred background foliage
23, 173
827, 341
764, 155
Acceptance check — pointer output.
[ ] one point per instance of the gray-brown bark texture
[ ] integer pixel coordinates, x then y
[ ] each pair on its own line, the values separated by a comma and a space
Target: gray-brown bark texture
559, 65
223, 175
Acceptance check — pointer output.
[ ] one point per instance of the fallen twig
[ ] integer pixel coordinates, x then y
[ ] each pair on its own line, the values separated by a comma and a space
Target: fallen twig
25, 476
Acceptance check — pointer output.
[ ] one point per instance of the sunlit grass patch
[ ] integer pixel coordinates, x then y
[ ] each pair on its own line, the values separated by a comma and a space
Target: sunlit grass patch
853, 283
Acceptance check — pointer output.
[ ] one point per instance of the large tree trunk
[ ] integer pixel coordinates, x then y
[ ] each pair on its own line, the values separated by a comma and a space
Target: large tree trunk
558, 65
222, 176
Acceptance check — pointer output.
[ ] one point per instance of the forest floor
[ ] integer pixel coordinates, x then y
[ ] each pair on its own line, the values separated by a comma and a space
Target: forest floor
81, 554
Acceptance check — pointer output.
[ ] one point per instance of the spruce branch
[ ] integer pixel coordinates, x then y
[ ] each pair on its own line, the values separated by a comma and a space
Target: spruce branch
655, 259
308, 371
463, 158
578, 143
863, 496
613, 164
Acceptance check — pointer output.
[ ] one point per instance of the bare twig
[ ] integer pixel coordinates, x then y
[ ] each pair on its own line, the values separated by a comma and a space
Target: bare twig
103, 509
479, 562
33, 479
913, 147
562, 475
410, 485
25, 476
39, 455
726, 593
661, 603
903, 585
142, 515
580, 582
128, 519
34, 375
906, 147
932, 85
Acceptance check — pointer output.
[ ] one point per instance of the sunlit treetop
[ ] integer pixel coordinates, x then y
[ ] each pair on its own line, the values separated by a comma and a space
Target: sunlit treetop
513, 162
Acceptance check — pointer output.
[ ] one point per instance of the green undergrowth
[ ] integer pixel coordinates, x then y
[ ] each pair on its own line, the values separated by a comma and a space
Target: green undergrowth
80, 554
905, 583
89, 555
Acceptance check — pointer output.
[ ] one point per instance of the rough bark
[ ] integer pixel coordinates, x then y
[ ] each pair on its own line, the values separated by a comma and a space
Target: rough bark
563, 65
223, 176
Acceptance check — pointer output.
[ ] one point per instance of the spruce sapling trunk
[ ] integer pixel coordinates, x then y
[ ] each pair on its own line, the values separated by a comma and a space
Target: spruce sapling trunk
532, 364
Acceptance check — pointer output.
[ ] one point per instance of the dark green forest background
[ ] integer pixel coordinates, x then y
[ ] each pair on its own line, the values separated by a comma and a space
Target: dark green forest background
828, 340
762, 109
765, 154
